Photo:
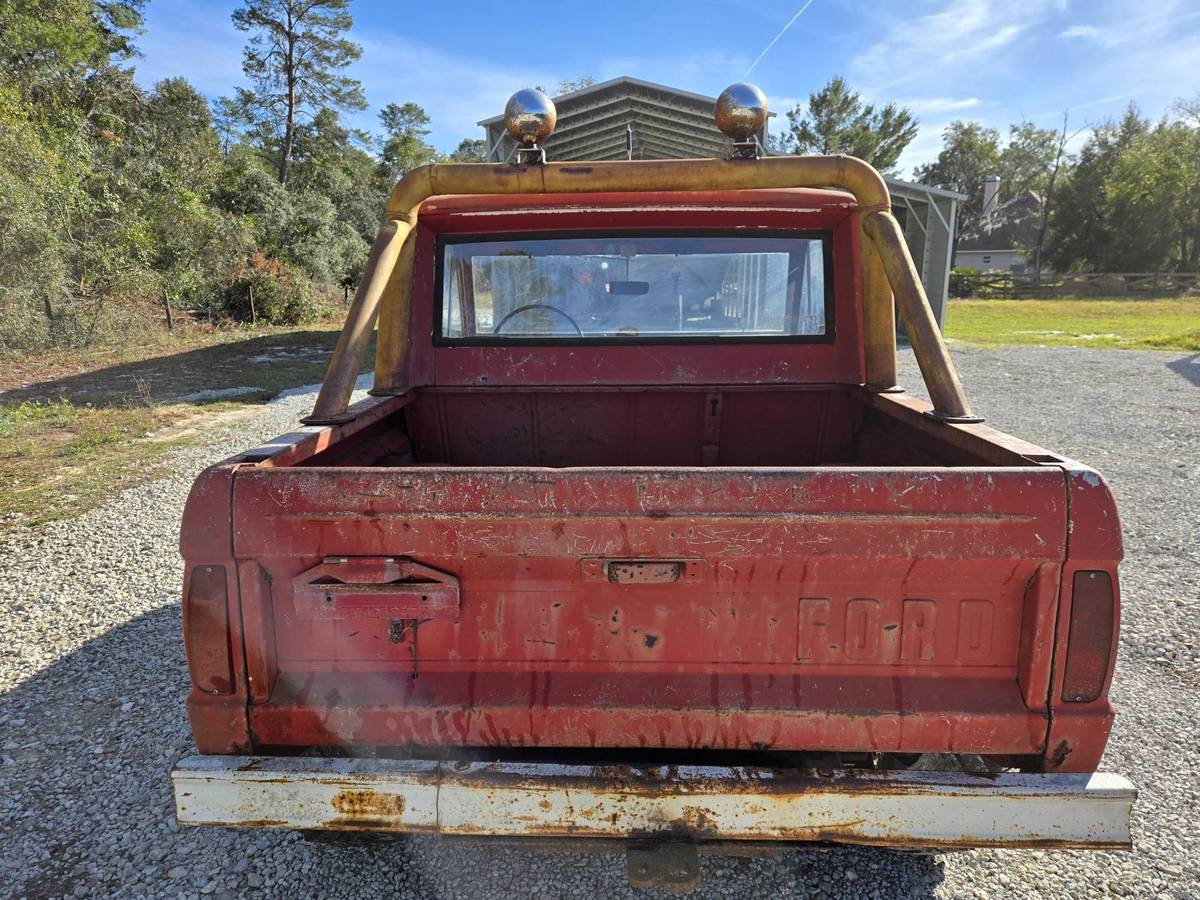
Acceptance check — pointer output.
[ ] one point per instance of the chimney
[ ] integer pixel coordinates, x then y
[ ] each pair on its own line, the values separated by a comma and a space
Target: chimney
991, 195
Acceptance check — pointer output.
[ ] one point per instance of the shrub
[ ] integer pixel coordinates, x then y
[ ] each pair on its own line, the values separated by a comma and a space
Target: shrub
268, 291
963, 282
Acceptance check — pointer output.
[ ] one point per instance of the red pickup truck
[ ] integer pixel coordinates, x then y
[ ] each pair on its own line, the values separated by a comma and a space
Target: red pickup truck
637, 538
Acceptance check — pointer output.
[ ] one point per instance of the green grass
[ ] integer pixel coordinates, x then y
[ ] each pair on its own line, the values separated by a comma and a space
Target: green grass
95, 429
1162, 324
32, 413
77, 427
58, 459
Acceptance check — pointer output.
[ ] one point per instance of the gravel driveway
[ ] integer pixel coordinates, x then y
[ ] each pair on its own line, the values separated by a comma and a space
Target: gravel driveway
93, 681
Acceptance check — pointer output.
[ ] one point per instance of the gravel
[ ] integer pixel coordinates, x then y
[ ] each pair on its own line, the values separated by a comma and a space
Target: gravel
92, 683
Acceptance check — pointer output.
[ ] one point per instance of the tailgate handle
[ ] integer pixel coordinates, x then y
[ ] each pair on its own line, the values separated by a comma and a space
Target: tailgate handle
375, 587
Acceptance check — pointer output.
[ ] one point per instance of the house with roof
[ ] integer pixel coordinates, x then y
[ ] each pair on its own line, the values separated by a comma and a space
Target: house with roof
1007, 232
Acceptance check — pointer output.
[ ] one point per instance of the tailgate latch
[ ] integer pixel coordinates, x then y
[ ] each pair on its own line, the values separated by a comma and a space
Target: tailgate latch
375, 587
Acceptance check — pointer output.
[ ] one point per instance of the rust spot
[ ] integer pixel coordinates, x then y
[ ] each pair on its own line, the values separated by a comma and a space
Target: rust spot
1060, 754
352, 824
696, 820
263, 823
650, 640
362, 804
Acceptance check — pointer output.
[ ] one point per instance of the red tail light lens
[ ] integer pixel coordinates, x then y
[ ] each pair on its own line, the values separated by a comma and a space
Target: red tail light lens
1089, 644
206, 630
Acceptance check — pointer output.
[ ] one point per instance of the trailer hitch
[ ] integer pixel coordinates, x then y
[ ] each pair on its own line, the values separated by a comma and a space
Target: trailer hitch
672, 866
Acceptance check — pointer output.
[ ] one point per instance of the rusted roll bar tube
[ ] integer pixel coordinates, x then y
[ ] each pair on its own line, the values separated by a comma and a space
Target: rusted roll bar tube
845, 172
352, 343
941, 379
879, 322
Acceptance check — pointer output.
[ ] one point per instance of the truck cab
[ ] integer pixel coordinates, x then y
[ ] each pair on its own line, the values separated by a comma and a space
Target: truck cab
637, 537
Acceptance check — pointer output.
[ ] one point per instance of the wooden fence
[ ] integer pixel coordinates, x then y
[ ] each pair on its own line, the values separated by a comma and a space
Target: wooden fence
1117, 285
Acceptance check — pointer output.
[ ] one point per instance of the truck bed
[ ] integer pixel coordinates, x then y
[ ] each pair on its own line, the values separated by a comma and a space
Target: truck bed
675, 426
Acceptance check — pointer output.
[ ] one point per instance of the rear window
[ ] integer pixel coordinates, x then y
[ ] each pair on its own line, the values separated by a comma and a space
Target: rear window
635, 288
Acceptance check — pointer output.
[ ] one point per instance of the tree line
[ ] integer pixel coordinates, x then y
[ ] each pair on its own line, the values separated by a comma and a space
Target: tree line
258, 206
1126, 200
261, 206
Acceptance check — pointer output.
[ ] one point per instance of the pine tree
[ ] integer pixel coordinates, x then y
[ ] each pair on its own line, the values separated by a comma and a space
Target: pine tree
294, 59
837, 121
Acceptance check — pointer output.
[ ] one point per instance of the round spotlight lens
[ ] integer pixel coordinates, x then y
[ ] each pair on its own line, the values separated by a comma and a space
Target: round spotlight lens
530, 116
741, 111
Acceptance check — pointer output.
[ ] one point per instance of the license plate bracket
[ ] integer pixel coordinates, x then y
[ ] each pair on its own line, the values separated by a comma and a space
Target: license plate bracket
636, 571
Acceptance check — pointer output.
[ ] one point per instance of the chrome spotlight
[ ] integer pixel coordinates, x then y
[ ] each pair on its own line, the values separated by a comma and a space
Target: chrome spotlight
530, 118
740, 113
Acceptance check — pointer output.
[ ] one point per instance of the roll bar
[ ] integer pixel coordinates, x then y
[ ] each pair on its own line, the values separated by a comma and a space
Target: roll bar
887, 267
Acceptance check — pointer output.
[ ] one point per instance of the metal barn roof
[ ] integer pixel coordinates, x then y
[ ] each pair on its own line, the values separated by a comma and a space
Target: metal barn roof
592, 124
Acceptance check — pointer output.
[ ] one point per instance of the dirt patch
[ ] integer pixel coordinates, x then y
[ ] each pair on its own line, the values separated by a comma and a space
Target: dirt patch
196, 422
259, 366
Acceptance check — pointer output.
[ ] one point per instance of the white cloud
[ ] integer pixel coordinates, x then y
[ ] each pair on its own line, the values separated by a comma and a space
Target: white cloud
1104, 37
953, 36
1004, 54
187, 40
457, 91
781, 105
930, 105
708, 72
924, 148
1147, 25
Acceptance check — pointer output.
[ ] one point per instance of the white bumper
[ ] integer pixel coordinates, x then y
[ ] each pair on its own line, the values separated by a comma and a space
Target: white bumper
911, 809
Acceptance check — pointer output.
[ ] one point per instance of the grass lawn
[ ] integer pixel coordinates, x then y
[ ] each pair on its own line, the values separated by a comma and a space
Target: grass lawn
1166, 324
77, 426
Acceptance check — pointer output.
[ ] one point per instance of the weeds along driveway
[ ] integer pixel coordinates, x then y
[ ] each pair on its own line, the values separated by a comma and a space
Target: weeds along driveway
93, 682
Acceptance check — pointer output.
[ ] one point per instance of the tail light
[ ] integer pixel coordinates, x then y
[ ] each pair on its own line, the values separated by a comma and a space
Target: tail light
206, 630
1089, 645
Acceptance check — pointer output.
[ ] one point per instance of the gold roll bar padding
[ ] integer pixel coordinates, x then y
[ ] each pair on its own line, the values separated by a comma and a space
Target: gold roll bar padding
391, 364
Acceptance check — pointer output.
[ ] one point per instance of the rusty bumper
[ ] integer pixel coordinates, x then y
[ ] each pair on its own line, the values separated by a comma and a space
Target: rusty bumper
907, 809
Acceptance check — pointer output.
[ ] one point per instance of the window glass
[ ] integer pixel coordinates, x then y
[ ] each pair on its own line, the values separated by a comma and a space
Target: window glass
635, 287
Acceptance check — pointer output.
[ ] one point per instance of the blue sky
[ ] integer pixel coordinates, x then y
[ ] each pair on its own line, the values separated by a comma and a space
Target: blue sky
995, 61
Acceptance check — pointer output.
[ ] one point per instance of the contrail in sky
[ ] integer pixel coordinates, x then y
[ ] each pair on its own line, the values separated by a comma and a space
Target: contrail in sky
774, 40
